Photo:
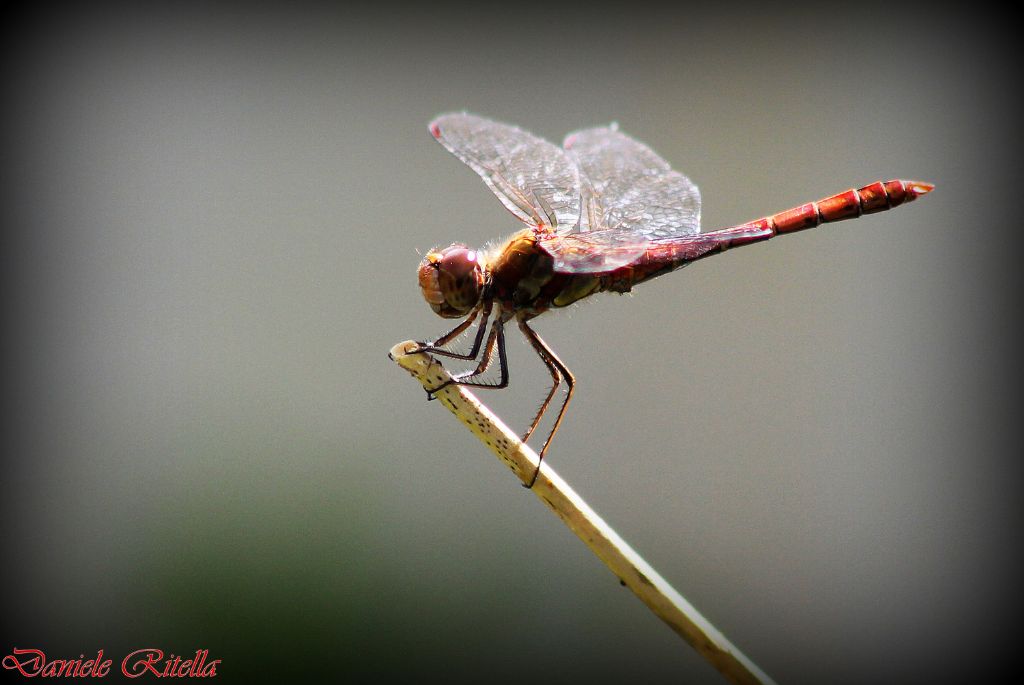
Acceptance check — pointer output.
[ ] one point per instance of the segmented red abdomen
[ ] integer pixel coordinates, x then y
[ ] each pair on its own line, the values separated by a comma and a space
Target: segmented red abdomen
876, 197
668, 255
850, 204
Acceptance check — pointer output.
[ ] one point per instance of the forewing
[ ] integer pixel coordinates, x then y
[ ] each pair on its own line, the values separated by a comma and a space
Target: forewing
604, 251
631, 188
594, 252
534, 179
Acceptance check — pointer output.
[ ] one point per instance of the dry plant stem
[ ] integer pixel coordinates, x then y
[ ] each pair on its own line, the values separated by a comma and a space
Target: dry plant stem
624, 562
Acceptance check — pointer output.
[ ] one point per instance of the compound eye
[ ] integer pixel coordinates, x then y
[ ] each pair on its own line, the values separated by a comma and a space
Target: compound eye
459, 263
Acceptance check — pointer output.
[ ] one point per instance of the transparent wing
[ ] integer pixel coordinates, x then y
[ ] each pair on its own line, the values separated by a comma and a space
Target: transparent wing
631, 199
632, 189
603, 251
534, 179
594, 251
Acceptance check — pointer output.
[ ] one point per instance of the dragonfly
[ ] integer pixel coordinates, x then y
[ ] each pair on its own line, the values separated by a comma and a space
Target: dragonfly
602, 213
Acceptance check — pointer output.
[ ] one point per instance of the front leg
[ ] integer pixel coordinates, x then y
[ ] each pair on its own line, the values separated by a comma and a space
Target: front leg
435, 345
496, 340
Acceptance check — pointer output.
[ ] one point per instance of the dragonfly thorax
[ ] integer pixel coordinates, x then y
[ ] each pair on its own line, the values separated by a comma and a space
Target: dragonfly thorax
452, 280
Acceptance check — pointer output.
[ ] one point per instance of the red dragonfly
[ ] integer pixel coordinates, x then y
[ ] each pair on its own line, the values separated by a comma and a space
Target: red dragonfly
602, 213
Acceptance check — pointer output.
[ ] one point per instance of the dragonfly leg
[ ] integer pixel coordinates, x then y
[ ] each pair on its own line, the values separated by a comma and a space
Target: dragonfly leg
556, 378
558, 372
496, 340
435, 345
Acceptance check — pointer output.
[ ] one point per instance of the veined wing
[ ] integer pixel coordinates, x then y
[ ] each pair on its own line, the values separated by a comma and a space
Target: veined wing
534, 179
631, 199
632, 188
600, 252
594, 251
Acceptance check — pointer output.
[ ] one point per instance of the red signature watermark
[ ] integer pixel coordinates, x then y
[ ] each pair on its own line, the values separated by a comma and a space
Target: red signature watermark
33, 663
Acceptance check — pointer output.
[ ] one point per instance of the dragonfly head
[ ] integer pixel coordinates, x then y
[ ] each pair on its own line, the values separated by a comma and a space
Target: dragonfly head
452, 280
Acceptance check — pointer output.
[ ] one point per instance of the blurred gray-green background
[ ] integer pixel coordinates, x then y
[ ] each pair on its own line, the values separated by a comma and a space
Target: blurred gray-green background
214, 213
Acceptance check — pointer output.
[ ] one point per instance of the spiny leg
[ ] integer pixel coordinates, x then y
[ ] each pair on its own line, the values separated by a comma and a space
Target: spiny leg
495, 340
434, 346
548, 355
556, 377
